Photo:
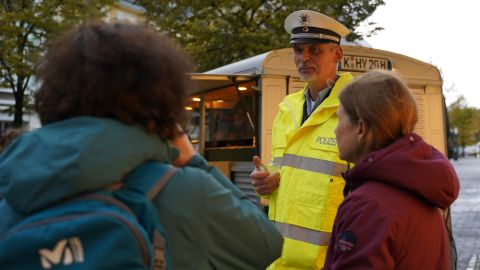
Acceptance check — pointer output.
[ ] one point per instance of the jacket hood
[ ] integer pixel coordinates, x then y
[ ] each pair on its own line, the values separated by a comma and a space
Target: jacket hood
411, 164
73, 156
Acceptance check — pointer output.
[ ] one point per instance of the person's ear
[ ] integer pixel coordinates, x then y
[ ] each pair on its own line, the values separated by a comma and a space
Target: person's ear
338, 53
361, 130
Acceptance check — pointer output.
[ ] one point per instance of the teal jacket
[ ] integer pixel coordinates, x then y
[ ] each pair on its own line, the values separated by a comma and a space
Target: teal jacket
210, 223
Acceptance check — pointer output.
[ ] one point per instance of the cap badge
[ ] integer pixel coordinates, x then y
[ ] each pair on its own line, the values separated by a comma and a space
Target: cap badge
305, 21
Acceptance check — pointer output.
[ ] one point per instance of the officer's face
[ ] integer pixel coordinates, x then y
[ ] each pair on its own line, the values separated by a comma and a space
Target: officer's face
316, 61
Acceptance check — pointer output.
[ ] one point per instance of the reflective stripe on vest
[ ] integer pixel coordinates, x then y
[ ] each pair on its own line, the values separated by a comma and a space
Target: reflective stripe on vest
312, 164
303, 234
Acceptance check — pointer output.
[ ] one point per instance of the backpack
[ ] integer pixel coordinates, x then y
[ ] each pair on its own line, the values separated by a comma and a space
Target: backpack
107, 229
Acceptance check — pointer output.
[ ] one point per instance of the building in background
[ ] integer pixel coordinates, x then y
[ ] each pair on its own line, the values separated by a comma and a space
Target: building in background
122, 11
6, 100
126, 12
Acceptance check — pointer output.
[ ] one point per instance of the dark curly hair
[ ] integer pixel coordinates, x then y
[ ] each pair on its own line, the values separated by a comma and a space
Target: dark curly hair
120, 71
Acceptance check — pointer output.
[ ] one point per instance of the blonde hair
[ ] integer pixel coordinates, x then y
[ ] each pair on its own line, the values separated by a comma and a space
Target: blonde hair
384, 103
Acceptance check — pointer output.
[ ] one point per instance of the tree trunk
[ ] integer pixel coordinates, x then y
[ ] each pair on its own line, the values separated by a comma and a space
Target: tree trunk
18, 112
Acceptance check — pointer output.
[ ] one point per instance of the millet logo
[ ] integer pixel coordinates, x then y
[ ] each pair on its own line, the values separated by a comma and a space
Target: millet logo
65, 252
326, 141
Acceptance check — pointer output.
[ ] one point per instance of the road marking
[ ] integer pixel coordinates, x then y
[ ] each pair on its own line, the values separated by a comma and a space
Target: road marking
472, 263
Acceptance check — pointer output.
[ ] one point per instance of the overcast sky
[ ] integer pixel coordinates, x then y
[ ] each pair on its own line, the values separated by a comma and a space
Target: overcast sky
441, 32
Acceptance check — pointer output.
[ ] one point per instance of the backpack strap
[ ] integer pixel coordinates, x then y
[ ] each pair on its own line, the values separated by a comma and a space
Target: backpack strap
155, 189
150, 177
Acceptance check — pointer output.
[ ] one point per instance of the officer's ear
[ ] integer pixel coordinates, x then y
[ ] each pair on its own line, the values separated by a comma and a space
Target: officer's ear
338, 53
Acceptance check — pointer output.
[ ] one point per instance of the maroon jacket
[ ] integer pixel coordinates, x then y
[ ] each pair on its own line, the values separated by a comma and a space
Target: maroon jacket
391, 217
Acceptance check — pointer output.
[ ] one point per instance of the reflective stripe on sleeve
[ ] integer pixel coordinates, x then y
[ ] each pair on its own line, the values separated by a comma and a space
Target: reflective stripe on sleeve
303, 234
314, 165
277, 160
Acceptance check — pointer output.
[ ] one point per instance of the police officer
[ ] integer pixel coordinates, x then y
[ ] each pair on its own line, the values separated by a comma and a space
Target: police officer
305, 194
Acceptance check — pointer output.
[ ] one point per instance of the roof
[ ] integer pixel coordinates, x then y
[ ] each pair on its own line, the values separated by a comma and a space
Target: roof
276, 62
209, 82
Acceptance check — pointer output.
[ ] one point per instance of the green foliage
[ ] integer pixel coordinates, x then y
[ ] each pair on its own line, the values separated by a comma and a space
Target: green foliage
26, 28
466, 120
213, 32
219, 32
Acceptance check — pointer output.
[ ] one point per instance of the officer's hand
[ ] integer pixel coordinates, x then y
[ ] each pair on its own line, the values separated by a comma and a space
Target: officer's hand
263, 181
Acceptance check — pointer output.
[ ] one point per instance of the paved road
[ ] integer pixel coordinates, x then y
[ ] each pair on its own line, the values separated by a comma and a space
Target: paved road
466, 214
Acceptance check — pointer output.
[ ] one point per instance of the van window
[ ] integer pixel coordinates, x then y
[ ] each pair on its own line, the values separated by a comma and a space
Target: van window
230, 117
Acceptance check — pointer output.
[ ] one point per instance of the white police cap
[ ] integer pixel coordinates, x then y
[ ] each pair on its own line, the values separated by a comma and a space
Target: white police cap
307, 26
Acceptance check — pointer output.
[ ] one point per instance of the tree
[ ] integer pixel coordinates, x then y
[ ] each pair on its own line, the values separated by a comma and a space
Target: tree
476, 125
26, 26
466, 120
217, 32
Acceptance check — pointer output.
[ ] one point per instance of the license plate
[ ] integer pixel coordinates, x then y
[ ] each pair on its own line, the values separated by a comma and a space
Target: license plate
363, 63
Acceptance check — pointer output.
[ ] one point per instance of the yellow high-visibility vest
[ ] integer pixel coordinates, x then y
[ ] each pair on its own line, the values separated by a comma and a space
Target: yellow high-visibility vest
311, 186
